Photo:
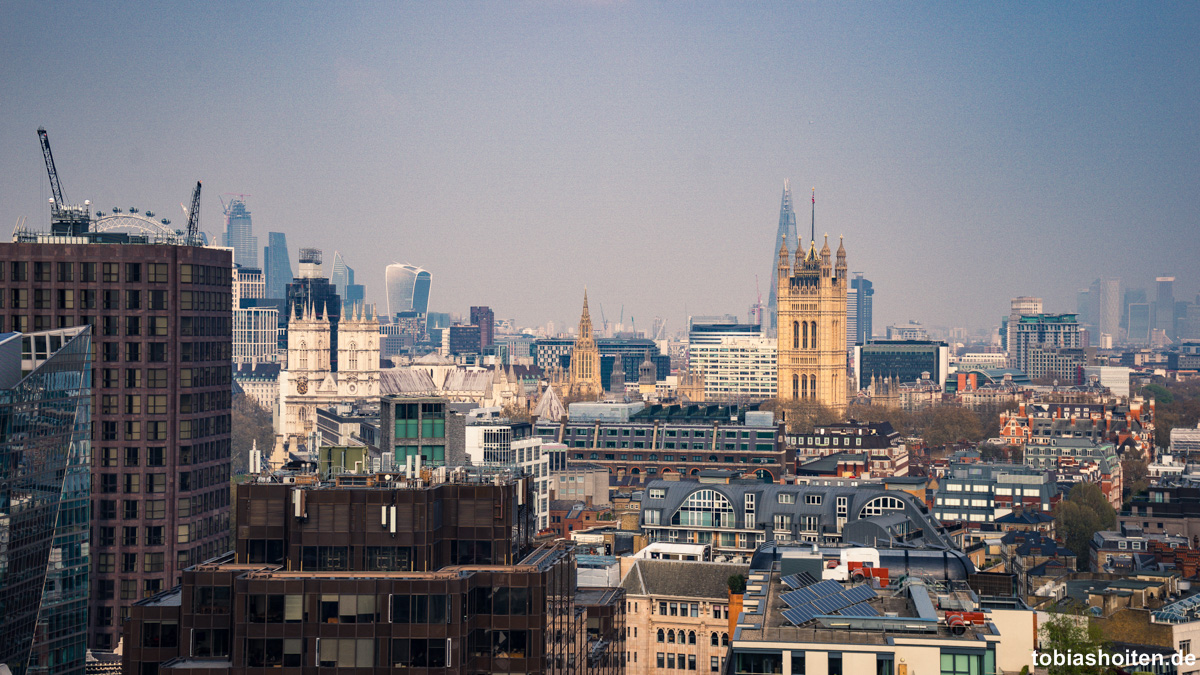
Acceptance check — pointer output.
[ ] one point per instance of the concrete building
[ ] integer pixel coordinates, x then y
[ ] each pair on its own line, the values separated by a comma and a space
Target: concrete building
485, 318
1042, 330
412, 426
737, 362
794, 622
512, 445
980, 493
685, 440
255, 335
1019, 307
161, 319
678, 615
259, 381
907, 331
811, 362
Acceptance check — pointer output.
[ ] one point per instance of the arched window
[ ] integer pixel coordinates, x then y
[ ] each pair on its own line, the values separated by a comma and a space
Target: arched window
353, 356
805, 330
653, 458
670, 637
713, 640
302, 417
795, 335
303, 356
322, 354
691, 637
813, 342
660, 635
705, 508
724, 639
879, 506
795, 387
804, 383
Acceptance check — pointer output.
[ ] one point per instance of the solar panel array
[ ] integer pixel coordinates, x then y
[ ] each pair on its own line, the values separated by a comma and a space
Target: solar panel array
799, 580
827, 598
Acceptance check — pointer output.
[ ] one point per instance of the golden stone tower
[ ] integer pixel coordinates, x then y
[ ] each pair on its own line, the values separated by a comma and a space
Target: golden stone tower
812, 326
585, 360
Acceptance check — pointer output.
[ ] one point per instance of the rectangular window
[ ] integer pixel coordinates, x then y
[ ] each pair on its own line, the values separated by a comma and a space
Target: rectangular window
112, 273
156, 273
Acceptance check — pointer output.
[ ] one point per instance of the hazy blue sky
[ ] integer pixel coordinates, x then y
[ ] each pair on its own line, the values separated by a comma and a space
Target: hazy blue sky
969, 152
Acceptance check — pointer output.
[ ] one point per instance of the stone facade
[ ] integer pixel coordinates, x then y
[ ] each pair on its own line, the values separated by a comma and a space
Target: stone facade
811, 359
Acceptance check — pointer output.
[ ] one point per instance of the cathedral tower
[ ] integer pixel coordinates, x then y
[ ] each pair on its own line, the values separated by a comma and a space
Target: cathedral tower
812, 325
585, 381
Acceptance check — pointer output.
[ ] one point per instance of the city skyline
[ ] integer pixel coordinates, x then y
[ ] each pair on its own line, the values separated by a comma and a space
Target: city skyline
626, 124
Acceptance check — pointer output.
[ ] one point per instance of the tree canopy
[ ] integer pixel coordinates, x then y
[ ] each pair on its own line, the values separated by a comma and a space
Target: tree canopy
1071, 635
1080, 516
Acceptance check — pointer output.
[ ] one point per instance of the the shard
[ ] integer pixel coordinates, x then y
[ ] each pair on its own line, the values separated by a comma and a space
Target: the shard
787, 230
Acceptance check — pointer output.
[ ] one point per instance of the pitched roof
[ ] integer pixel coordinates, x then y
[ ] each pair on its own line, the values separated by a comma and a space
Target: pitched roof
675, 578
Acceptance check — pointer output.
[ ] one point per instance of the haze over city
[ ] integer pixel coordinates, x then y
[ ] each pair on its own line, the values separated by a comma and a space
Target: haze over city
519, 151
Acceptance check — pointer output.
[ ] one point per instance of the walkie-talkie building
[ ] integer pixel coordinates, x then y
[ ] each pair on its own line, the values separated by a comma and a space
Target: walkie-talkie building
44, 496
407, 289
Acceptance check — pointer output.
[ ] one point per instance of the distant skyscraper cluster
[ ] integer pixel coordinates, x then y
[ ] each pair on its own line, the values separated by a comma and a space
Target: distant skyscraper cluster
407, 289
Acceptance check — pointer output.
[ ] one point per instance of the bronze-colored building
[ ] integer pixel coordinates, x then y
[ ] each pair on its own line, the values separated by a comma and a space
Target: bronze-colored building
161, 321
371, 572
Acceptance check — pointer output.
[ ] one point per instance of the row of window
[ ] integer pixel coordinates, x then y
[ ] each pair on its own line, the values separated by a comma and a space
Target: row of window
68, 298
668, 433
88, 272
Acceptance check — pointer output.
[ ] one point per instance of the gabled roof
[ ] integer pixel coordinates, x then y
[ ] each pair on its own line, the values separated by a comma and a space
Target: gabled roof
673, 578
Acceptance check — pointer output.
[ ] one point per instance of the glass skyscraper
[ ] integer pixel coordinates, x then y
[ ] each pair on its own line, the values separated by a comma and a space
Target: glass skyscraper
407, 289
44, 500
239, 234
787, 230
864, 291
277, 265
342, 277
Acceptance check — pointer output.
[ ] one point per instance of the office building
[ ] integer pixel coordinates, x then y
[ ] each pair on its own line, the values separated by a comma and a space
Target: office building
367, 571
464, 339
737, 361
277, 265
1019, 307
1048, 331
980, 493
643, 443
501, 444
908, 331
255, 335
161, 316
239, 234
407, 289
798, 618
421, 426
736, 518
1141, 321
342, 278
1164, 306
902, 361
44, 500
863, 308
811, 362
1106, 308
310, 294
786, 235
249, 283
486, 320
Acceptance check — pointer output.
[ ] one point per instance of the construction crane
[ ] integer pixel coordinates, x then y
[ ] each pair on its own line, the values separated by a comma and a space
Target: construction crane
193, 224
64, 219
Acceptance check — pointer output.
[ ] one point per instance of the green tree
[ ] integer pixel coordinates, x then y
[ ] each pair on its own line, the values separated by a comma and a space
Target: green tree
250, 422
1177, 404
1071, 635
737, 584
1080, 516
1135, 471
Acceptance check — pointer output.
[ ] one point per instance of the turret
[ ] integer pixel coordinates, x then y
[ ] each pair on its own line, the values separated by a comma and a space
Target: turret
826, 265
783, 257
841, 259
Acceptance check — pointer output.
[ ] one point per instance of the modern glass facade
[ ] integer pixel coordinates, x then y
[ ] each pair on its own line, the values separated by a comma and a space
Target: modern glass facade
239, 234
786, 231
277, 265
864, 292
44, 496
407, 289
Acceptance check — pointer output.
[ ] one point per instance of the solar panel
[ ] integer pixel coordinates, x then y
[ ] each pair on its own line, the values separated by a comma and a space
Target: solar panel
806, 579
831, 604
799, 616
860, 593
799, 597
793, 581
861, 609
826, 588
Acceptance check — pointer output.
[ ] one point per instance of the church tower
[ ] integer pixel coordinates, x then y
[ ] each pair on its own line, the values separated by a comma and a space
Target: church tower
585, 383
812, 325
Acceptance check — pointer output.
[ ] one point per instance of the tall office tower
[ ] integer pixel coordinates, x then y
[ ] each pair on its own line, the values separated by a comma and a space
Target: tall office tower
1164, 306
1084, 306
1108, 307
1131, 296
851, 315
342, 277
407, 289
811, 358
239, 234
1021, 306
277, 265
44, 494
485, 318
864, 292
1141, 319
585, 379
161, 318
1043, 331
311, 294
787, 234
